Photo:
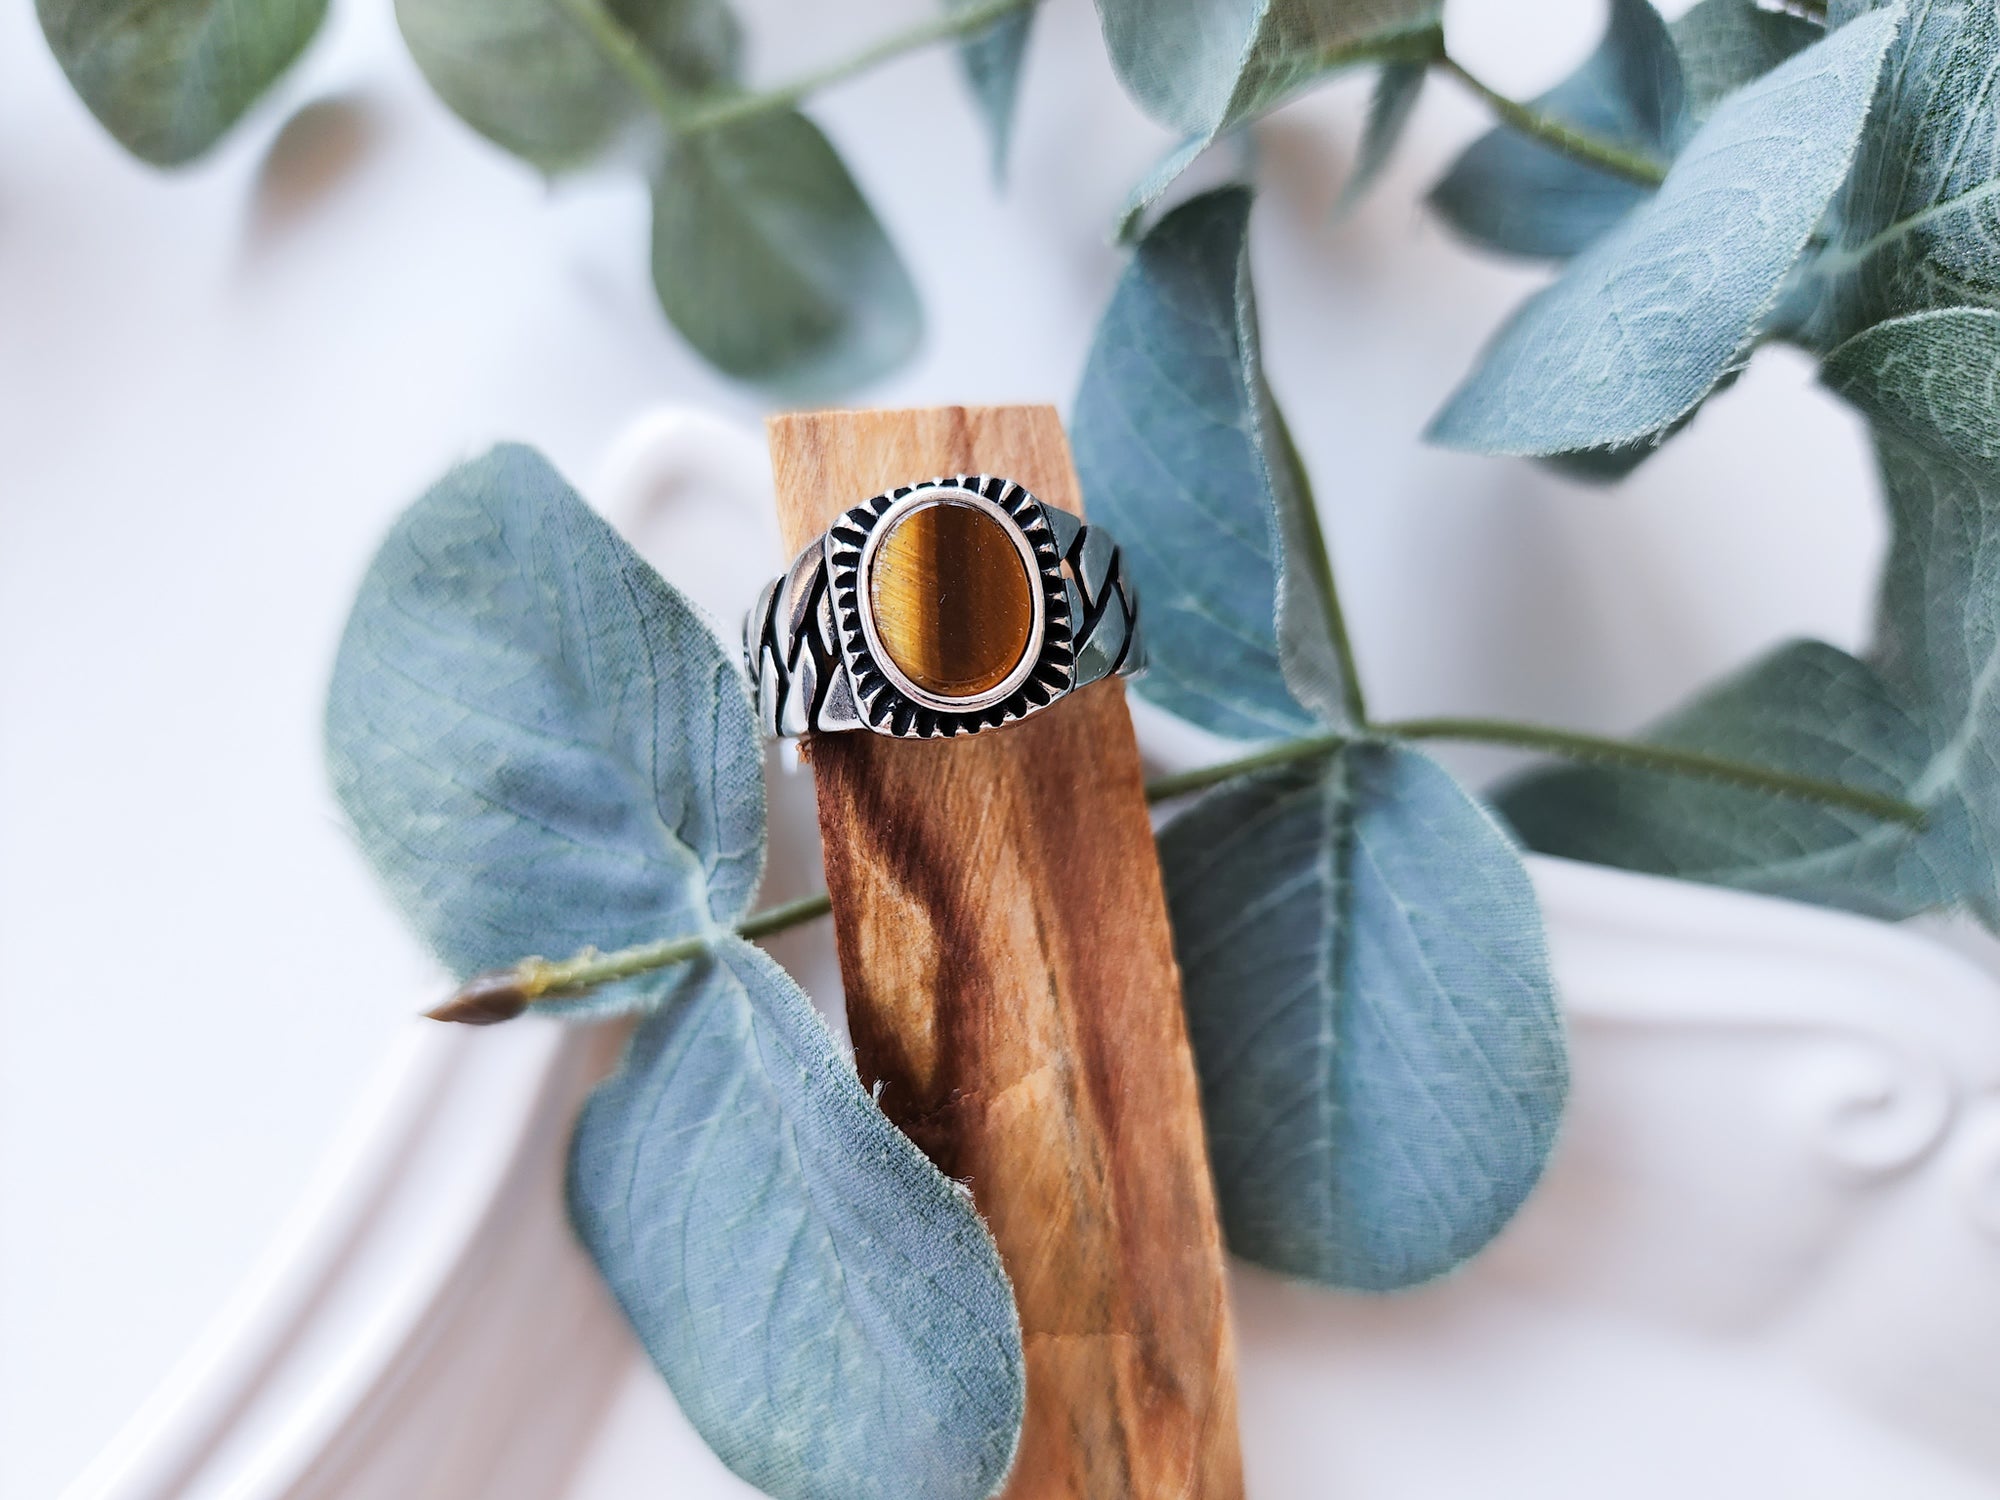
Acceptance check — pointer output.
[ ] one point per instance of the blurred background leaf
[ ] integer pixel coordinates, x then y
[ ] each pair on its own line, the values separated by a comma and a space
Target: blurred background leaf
1521, 196
168, 78
992, 60
533, 78
1398, 87
765, 255
829, 1309
769, 261
1203, 67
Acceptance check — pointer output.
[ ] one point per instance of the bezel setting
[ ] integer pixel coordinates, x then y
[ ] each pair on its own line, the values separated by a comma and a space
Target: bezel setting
887, 700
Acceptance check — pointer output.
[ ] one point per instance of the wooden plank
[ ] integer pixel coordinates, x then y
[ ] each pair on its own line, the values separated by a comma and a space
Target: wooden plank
1011, 986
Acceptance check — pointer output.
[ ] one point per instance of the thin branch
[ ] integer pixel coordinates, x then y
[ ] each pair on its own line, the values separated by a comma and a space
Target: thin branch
1639, 756
502, 994
953, 25
616, 41
790, 914
1577, 145
686, 113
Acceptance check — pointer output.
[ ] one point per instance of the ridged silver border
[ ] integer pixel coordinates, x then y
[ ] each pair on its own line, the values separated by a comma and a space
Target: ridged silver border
886, 700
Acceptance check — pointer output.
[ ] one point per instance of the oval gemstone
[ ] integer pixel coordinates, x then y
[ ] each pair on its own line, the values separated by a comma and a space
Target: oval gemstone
954, 606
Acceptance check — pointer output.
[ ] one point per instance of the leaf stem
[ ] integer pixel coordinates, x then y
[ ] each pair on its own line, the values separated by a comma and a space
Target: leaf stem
624, 52
951, 25
687, 113
789, 914
1592, 151
502, 994
1639, 756
1310, 747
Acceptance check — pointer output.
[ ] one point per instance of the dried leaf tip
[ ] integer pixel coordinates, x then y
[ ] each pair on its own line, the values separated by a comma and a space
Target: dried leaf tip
488, 999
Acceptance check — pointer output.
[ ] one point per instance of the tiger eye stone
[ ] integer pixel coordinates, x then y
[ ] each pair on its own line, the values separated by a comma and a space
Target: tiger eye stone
953, 603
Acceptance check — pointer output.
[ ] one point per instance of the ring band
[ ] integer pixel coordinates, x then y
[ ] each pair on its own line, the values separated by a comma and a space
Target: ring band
939, 609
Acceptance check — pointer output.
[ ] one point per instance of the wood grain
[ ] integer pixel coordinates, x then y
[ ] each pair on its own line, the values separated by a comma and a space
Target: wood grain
1011, 985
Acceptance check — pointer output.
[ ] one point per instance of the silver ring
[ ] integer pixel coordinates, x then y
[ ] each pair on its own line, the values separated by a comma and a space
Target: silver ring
938, 609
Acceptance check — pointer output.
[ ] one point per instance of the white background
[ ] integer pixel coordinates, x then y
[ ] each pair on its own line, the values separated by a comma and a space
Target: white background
217, 386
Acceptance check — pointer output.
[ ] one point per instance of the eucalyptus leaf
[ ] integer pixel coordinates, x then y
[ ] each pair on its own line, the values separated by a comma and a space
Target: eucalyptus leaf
1643, 324
1153, 186
542, 748
1373, 1019
1930, 383
1806, 708
533, 78
1390, 106
1725, 44
540, 744
1610, 465
828, 1308
770, 262
1510, 192
1606, 465
168, 78
1203, 67
992, 63
1182, 453
1921, 720
1197, 65
1918, 224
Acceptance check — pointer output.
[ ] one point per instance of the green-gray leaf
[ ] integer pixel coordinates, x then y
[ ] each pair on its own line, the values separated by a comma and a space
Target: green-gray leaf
1394, 101
1183, 455
770, 262
1930, 383
1643, 324
1918, 225
1725, 44
1610, 465
992, 63
1196, 65
168, 78
541, 745
1808, 709
1204, 68
531, 76
829, 1309
1382, 1063
1922, 721
1511, 193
